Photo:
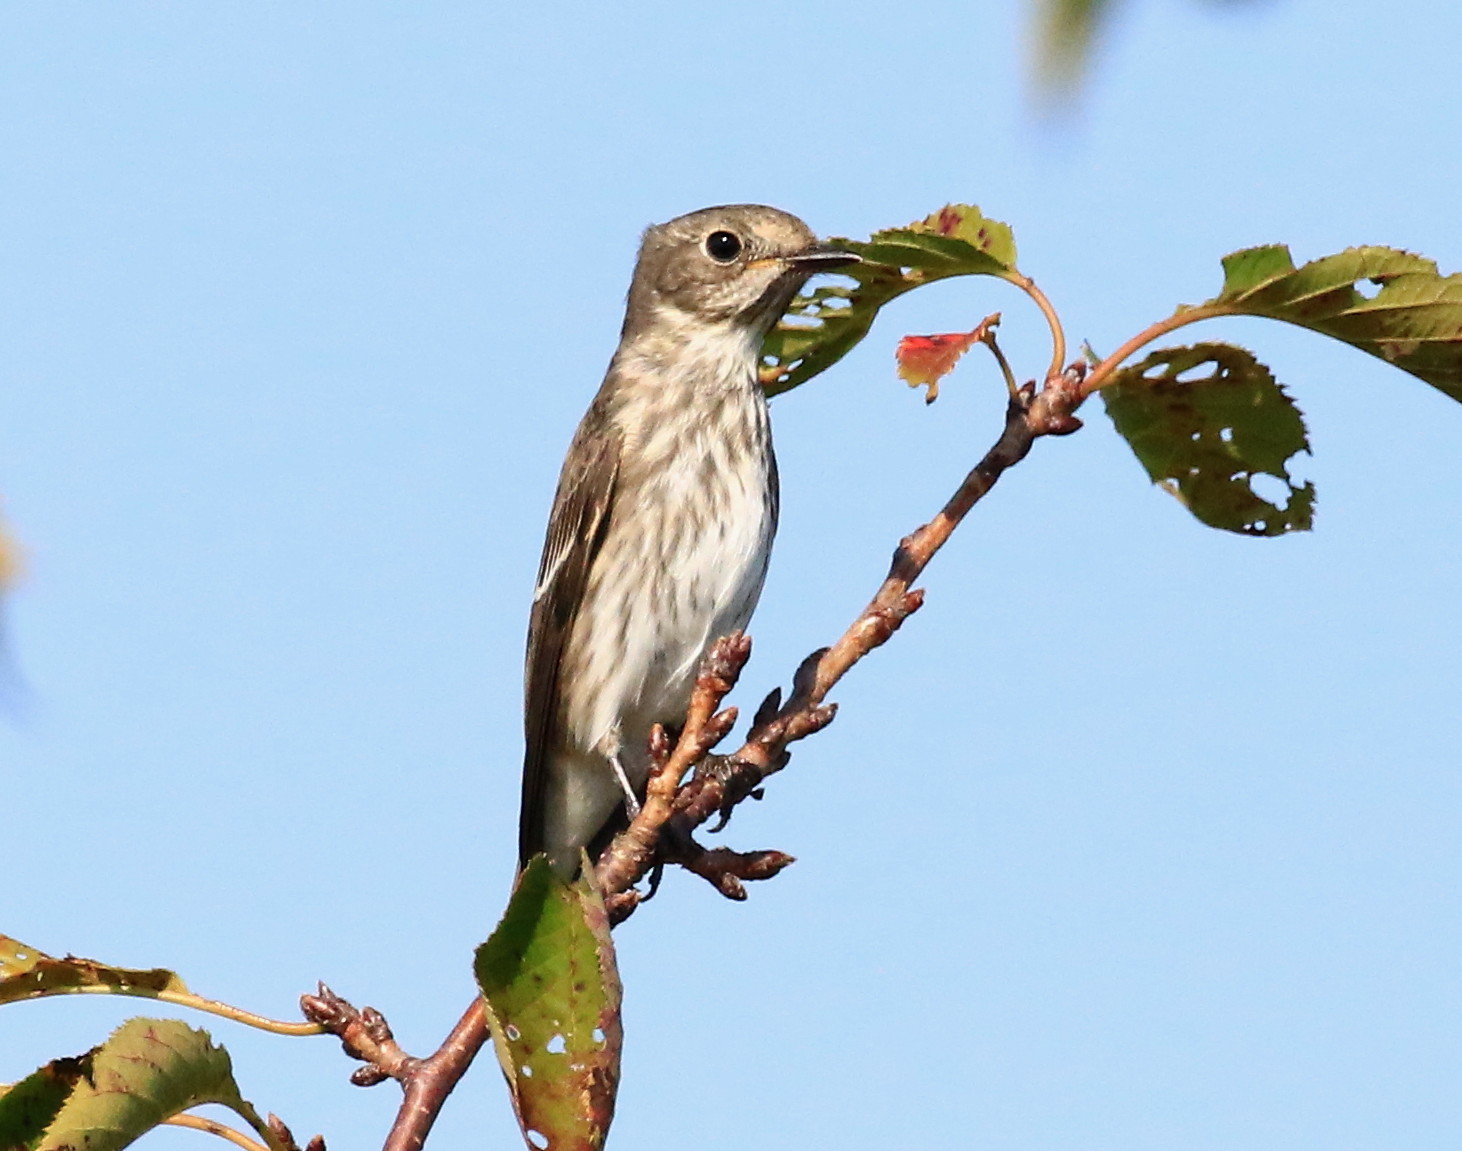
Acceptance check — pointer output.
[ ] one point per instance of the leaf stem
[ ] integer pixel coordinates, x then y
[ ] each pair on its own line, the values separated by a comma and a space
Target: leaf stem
1058, 336
213, 1127
212, 1006
1101, 375
239, 1015
987, 337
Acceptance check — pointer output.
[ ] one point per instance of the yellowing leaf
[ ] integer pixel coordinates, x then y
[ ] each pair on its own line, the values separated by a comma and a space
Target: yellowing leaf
26, 973
148, 1071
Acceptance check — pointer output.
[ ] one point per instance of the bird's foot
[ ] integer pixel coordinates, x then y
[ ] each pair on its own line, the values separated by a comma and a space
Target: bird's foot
738, 780
675, 843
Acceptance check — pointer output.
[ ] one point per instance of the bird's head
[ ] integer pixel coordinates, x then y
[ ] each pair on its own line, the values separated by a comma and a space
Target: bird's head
739, 264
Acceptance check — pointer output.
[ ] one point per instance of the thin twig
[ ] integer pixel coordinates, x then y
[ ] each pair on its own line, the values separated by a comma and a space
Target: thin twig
426, 1083
987, 337
365, 1035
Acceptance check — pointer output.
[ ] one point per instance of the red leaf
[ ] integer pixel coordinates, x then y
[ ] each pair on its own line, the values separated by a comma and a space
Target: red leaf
925, 360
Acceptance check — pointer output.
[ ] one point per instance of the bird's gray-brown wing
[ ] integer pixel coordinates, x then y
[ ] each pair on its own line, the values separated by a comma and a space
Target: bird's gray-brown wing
576, 526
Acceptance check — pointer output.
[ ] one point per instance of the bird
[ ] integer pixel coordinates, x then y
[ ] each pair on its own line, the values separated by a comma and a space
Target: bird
661, 528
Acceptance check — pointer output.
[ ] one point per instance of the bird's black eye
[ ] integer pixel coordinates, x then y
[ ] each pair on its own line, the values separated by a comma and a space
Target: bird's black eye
723, 247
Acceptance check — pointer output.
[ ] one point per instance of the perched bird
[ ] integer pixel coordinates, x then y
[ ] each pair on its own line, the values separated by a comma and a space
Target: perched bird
662, 527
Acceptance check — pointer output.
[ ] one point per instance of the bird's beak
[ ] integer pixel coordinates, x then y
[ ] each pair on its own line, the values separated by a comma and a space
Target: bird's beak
823, 258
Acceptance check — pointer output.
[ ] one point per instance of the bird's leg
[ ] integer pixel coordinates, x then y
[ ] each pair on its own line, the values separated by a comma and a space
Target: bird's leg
675, 843
631, 800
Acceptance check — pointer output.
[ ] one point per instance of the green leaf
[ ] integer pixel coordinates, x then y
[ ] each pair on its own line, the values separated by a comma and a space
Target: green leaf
552, 990
1250, 268
1204, 421
27, 1108
147, 1071
824, 323
27, 973
1413, 321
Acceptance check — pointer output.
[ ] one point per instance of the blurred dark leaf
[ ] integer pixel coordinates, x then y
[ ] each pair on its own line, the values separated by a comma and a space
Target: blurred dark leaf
1064, 32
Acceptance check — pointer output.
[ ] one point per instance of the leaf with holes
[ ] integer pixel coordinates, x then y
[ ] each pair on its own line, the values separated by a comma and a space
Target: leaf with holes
1205, 421
1410, 317
26, 973
552, 989
824, 324
148, 1071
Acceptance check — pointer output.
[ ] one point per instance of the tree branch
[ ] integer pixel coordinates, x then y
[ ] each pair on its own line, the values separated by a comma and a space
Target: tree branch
429, 1083
1029, 415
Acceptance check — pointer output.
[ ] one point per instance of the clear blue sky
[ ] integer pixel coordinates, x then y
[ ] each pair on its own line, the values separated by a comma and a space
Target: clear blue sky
1138, 837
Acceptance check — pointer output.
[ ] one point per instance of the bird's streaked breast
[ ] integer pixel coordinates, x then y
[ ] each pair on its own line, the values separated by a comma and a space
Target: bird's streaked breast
685, 556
